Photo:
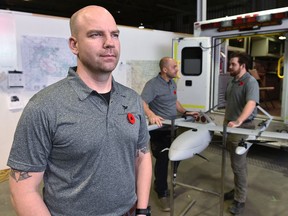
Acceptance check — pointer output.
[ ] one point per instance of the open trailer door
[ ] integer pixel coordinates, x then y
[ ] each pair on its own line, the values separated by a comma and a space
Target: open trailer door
193, 55
282, 72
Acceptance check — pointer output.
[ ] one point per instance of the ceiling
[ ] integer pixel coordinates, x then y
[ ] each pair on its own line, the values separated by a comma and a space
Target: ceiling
168, 15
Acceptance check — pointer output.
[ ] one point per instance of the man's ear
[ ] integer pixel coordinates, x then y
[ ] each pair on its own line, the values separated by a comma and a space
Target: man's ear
243, 66
73, 45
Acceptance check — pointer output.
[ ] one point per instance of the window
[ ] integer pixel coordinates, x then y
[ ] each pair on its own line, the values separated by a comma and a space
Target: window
191, 62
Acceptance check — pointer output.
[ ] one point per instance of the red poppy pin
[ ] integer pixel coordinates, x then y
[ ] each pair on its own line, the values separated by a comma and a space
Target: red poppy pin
241, 83
131, 118
174, 92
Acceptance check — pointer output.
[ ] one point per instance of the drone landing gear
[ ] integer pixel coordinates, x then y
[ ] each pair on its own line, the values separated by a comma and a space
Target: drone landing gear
174, 166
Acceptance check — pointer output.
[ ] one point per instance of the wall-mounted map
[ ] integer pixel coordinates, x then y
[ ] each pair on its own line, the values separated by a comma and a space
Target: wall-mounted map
45, 60
140, 72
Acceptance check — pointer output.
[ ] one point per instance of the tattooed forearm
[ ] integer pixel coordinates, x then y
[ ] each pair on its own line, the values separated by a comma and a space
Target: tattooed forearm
143, 150
19, 175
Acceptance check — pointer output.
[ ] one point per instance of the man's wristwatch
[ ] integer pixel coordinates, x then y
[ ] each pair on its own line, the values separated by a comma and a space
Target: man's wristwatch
146, 211
184, 114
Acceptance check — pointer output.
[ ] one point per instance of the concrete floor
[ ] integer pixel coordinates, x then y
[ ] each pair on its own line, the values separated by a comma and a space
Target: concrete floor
268, 185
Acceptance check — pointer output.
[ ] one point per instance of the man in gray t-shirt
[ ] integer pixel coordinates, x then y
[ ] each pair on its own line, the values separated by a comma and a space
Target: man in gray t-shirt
160, 102
242, 96
85, 136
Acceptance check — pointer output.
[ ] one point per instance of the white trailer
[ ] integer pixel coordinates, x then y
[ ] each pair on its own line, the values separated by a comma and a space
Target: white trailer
203, 60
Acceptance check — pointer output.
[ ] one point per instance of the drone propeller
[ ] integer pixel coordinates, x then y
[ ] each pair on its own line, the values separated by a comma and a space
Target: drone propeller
244, 142
201, 156
260, 141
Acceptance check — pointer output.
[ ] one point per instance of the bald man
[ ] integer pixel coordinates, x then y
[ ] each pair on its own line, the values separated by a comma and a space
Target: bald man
85, 136
160, 102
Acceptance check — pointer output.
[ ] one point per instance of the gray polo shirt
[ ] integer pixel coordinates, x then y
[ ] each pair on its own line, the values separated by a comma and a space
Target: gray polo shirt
161, 97
238, 93
86, 148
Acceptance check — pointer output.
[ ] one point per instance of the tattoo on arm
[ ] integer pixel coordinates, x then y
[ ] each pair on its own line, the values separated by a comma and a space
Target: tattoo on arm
19, 175
143, 150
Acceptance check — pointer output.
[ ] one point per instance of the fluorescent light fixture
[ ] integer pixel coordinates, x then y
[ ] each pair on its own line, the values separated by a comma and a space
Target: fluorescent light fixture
282, 37
141, 26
